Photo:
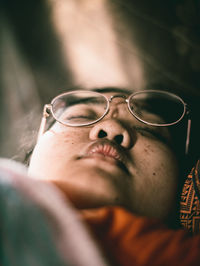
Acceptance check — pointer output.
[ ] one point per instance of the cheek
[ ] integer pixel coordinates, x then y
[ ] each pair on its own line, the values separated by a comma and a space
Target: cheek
56, 147
155, 180
154, 157
70, 137
70, 140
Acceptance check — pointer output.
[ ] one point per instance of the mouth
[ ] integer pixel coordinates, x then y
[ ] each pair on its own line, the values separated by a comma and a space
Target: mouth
107, 149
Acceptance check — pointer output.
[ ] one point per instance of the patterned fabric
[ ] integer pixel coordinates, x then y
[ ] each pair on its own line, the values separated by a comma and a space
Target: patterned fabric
190, 201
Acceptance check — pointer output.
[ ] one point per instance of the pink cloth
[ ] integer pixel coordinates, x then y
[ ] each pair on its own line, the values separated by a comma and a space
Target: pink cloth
34, 203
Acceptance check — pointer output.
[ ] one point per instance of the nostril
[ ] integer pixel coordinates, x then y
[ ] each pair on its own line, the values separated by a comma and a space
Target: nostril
102, 134
118, 139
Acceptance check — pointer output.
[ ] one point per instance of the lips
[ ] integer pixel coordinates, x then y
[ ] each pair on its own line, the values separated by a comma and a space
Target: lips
107, 149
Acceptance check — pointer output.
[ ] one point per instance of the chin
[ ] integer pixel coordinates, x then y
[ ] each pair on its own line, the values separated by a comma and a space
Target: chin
89, 191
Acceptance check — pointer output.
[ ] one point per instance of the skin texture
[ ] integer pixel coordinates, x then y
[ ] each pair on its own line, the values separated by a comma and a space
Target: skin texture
116, 161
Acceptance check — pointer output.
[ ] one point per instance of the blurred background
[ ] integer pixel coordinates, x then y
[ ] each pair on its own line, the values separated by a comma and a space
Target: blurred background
50, 46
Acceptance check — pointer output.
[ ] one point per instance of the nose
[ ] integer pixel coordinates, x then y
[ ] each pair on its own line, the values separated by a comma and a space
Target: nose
113, 130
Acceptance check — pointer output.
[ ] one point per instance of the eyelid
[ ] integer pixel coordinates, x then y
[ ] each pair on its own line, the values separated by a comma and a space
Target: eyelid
80, 116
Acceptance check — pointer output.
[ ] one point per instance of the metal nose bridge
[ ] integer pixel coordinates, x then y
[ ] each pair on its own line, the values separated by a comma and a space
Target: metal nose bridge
118, 96
125, 100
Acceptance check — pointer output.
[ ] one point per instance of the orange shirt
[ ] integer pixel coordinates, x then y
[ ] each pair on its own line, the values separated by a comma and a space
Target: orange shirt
131, 240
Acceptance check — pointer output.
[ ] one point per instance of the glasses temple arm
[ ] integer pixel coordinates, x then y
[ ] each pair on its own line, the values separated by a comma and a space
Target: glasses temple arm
43, 121
188, 136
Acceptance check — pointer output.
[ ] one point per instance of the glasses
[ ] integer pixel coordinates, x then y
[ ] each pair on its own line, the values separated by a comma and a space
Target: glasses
84, 108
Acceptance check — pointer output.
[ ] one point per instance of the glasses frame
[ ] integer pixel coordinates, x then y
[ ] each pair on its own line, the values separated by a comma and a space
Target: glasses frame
48, 109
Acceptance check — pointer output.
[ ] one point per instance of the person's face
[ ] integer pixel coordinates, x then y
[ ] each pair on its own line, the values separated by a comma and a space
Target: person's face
117, 161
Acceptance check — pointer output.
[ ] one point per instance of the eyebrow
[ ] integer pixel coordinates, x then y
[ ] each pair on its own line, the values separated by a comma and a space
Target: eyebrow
91, 100
113, 89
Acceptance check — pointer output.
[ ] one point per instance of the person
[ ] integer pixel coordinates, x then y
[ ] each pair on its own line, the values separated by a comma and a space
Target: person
115, 154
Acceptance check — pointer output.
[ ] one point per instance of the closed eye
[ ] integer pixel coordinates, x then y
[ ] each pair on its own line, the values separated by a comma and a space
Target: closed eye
88, 117
78, 119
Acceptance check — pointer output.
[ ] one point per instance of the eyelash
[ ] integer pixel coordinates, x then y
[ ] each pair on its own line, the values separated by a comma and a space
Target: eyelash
80, 116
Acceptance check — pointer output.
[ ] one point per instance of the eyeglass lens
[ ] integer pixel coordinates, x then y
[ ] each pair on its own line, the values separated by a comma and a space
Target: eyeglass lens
83, 108
157, 107
79, 108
